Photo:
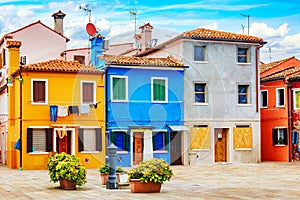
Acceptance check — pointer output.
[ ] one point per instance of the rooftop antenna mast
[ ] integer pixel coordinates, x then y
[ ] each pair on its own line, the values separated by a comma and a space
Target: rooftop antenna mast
248, 16
133, 12
243, 28
87, 10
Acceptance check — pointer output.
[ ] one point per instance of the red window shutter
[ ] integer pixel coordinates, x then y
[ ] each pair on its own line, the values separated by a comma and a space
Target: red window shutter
87, 93
39, 91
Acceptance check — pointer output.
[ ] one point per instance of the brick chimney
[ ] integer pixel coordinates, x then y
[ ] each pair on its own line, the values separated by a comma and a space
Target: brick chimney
146, 36
59, 21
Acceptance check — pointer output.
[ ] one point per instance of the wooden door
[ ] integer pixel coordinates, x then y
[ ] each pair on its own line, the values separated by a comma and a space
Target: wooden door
64, 143
138, 148
175, 148
220, 145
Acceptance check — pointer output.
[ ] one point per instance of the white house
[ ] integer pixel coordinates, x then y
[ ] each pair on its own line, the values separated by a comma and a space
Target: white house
221, 109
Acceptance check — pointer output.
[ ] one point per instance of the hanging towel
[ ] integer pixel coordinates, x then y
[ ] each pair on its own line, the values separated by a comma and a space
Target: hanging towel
85, 109
18, 145
62, 111
53, 113
295, 137
73, 110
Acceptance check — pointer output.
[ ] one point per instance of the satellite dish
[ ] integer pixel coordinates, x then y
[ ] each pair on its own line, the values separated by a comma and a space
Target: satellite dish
91, 29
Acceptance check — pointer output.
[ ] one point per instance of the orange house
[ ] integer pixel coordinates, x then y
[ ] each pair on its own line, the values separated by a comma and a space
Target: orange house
277, 108
54, 106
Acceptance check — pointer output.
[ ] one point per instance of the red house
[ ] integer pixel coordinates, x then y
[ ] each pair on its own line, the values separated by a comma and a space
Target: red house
280, 82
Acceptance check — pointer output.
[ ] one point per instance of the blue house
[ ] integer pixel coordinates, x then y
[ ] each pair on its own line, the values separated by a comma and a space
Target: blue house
144, 109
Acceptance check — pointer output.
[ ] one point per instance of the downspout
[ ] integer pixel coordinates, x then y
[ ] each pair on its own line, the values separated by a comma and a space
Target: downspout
21, 119
257, 75
289, 105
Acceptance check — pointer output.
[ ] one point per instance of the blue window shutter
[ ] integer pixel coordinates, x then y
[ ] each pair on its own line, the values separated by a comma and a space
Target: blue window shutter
127, 138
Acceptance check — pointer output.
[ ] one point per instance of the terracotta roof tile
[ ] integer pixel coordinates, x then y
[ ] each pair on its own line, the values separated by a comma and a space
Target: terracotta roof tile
265, 67
130, 60
60, 66
286, 73
203, 33
13, 44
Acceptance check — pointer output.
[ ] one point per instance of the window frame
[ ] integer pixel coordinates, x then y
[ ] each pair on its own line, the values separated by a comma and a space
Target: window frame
205, 93
82, 92
248, 95
126, 141
247, 55
295, 98
112, 88
79, 58
98, 140
48, 132
204, 53
164, 142
166, 89
46, 91
276, 134
262, 99
278, 98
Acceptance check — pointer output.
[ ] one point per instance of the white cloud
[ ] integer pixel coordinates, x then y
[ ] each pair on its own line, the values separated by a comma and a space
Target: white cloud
213, 26
103, 25
264, 31
291, 41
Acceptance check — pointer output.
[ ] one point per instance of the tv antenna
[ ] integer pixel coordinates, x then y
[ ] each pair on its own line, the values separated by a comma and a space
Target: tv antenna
248, 16
270, 52
87, 10
243, 28
133, 12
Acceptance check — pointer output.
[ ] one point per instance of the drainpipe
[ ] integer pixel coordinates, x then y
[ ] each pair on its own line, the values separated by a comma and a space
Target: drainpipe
21, 119
257, 74
289, 106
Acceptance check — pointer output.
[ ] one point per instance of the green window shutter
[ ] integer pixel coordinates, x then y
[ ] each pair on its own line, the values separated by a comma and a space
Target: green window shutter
159, 90
112, 137
127, 138
119, 89
297, 99
49, 139
29, 140
80, 140
167, 135
275, 136
98, 139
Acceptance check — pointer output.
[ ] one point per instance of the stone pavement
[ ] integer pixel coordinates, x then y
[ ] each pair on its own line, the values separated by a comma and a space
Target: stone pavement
266, 180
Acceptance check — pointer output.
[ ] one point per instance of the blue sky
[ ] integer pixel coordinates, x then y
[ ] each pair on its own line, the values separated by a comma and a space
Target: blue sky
277, 21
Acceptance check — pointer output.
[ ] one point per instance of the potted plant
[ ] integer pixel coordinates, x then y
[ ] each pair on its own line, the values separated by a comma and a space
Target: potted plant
149, 175
67, 170
104, 173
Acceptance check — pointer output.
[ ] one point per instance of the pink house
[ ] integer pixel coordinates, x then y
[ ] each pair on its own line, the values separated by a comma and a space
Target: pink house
39, 43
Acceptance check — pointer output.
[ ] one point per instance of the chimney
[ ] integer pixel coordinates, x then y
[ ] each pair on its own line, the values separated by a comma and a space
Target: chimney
146, 36
13, 55
59, 21
96, 50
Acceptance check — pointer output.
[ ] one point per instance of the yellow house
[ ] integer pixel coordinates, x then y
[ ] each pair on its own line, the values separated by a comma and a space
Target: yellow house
54, 106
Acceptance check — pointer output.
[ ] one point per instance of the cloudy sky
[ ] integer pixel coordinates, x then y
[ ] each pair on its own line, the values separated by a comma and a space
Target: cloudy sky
276, 21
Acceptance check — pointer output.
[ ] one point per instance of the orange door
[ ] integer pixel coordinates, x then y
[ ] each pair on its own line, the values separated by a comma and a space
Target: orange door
138, 148
220, 145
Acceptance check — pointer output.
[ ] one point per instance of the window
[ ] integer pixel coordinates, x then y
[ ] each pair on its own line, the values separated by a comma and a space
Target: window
81, 59
297, 99
279, 136
242, 55
264, 98
119, 88
39, 140
200, 137
120, 139
242, 137
199, 53
243, 94
159, 90
88, 92
160, 140
39, 91
3, 58
89, 139
280, 97
200, 93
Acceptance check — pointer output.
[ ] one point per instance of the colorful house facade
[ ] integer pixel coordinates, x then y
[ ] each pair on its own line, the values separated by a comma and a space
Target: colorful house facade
54, 106
221, 90
279, 110
144, 109
39, 43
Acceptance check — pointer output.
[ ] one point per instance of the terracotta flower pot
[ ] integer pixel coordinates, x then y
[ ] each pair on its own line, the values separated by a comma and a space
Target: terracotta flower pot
136, 186
67, 184
104, 178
